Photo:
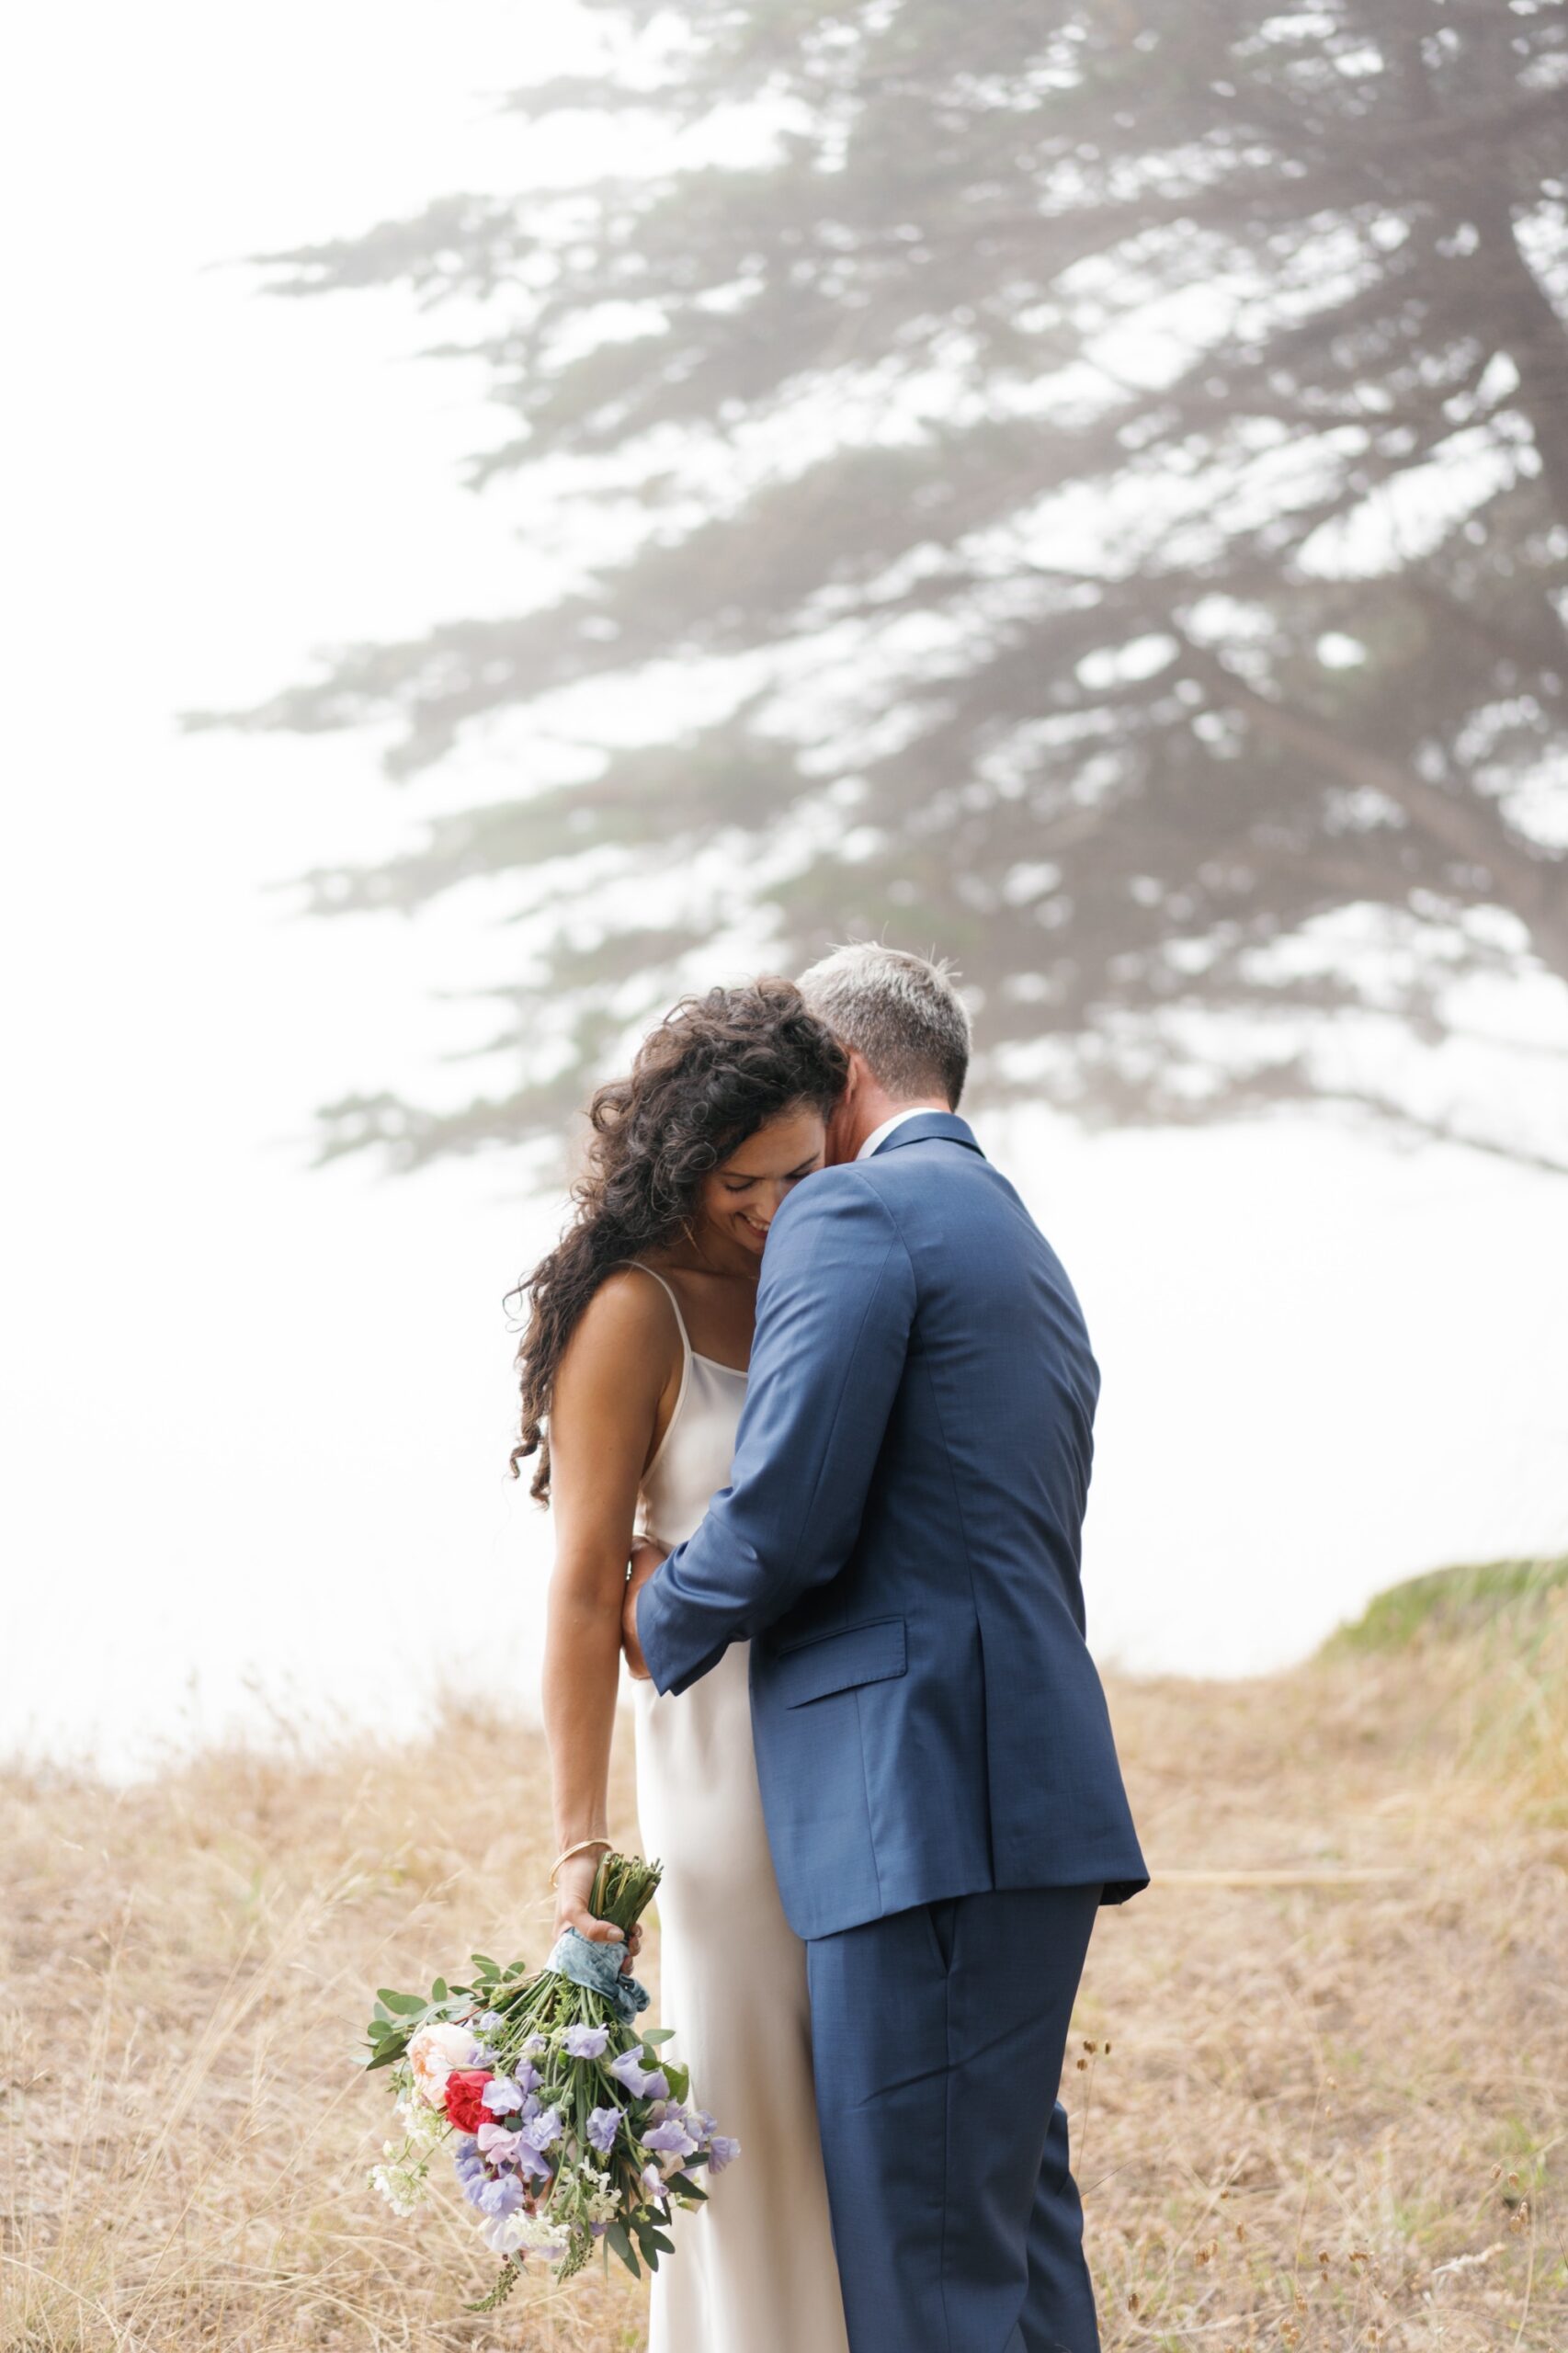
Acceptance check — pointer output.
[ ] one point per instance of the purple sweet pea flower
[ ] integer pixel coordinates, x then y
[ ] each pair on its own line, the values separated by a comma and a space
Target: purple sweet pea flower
543, 2132
670, 2111
584, 2041
653, 2186
722, 2152
528, 2076
497, 2143
670, 2133
603, 2126
642, 2082
502, 2097
501, 2195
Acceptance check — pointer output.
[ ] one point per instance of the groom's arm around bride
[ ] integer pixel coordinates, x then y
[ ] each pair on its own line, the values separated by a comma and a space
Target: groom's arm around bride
900, 1544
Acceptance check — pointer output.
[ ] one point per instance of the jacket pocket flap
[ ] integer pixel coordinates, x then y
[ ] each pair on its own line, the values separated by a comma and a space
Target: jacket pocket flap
829, 1662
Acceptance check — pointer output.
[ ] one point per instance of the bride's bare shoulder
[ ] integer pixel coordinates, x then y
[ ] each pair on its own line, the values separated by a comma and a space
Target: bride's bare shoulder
613, 1387
628, 1316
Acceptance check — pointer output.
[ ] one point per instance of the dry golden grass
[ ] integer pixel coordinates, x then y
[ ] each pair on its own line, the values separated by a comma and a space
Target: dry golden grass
1319, 2083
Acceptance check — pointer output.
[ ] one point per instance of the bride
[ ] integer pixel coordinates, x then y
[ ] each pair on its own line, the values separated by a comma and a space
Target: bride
634, 1371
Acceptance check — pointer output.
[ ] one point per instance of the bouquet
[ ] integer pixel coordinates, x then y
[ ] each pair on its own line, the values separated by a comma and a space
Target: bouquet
565, 2127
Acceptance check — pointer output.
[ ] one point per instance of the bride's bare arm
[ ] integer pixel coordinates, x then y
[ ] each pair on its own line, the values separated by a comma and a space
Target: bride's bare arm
609, 1390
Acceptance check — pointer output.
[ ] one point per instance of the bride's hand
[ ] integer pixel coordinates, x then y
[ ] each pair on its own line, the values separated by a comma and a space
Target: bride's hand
647, 1556
573, 1893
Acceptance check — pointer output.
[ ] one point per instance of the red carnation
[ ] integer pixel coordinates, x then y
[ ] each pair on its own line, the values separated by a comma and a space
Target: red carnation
465, 2098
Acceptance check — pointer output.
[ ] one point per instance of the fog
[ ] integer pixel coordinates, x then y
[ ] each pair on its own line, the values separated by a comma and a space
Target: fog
259, 1411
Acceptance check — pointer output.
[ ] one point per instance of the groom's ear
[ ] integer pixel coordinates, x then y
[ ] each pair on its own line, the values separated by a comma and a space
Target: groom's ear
844, 1117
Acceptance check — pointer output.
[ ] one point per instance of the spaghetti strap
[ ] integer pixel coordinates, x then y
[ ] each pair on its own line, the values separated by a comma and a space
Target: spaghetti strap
686, 1364
643, 1266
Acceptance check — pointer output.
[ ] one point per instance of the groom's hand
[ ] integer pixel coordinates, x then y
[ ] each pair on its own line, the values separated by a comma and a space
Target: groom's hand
646, 1557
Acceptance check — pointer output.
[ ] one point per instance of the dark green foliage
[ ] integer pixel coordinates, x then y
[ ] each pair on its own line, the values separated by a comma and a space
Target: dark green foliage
1108, 466
507, 2279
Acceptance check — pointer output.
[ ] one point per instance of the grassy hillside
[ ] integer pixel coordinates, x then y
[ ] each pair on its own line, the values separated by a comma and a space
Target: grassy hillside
1514, 1597
1320, 2080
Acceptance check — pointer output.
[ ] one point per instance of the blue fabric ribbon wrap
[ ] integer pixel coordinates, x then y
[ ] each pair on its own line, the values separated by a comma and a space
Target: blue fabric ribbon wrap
598, 1968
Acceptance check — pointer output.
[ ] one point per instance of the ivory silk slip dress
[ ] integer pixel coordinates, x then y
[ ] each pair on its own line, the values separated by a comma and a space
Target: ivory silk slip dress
754, 2269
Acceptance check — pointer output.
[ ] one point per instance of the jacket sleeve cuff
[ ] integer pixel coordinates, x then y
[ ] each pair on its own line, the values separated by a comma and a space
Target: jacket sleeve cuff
672, 1668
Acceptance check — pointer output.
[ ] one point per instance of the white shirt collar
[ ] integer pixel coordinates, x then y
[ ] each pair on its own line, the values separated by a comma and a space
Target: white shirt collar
879, 1135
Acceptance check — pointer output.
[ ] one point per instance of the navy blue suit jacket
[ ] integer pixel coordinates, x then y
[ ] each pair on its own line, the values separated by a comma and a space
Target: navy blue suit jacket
900, 1542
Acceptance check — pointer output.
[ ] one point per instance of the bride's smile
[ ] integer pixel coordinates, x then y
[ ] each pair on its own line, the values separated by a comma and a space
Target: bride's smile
741, 1198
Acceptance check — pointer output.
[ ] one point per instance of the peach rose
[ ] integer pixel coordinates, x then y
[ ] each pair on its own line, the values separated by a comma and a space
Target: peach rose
433, 2052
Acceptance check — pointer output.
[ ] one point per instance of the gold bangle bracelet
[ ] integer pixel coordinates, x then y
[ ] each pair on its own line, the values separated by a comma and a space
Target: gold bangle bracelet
580, 1848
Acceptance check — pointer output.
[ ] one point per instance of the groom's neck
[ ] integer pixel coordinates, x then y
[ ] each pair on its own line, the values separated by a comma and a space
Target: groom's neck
865, 1111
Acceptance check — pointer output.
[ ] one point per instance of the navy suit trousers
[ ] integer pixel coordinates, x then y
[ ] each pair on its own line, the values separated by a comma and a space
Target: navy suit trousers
939, 2035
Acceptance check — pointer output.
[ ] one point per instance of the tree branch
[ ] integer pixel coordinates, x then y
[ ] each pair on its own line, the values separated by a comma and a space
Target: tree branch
1529, 883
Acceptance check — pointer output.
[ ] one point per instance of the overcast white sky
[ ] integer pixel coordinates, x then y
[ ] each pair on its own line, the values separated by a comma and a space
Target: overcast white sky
258, 1416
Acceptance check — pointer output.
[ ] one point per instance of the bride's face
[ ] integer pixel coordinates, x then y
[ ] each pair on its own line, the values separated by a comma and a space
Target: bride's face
741, 1198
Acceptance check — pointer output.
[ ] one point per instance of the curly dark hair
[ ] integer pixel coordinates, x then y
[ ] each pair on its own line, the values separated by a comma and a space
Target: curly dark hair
714, 1072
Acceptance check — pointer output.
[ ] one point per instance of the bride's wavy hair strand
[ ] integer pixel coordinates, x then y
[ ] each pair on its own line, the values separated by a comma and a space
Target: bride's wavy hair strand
714, 1072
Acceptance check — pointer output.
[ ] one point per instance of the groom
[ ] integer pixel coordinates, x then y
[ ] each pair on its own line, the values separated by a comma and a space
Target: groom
900, 1543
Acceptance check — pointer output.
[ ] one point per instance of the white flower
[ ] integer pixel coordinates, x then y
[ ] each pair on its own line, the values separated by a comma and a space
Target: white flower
433, 2054
521, 2231
402, 2187
507, 2233
600, 2203
425, 2127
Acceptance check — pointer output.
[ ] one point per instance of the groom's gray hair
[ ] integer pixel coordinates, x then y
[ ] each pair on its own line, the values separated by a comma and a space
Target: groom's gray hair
903, 1014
